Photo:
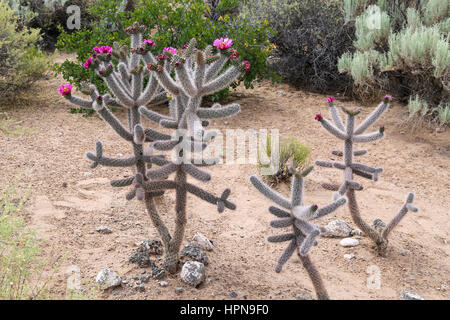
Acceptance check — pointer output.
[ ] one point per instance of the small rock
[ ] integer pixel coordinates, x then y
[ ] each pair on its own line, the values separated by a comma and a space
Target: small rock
349, 256
245, 297
130, 293
179, 290
141, 258
356, 232
140, 288
144, 279
152, 246
108, 278
104, 230
163, 284
349, 242
337, 229
194, 252
300, 296
87, 174
74, 279
410, 296
157, 272
202, 242
64, 185
233, 294
193, 273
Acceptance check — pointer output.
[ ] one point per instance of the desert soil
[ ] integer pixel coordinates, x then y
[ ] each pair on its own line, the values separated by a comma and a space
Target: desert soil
68, 201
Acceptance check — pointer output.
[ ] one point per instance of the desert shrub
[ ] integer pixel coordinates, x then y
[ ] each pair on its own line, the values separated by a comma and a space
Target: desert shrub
443, 113
309, 36
47, 15
21, 62
292, 153
172, 23
401, 47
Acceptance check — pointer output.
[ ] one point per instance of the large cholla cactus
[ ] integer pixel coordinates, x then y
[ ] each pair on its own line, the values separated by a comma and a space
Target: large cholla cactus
196, 75
379, 232
304, 233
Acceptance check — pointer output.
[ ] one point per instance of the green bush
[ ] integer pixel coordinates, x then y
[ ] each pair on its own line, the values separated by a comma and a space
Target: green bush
172, 23
291, 153
47, 15
21, 62
408, 55
310, 36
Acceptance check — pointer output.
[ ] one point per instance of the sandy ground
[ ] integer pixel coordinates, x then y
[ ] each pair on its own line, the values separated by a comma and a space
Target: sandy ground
53, 155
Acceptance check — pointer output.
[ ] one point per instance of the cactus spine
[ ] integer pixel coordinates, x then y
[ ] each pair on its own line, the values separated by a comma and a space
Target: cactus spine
196, 75
297, 215
379, 231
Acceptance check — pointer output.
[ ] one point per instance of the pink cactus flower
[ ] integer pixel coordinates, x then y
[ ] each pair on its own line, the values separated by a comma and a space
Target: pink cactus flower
105, 49
246, 65
318, 117
222, 43
65, 89
149, 43
382, 129
330, 100
160, 57
97, 50
88, 63
184, 46
387, 98
171, 49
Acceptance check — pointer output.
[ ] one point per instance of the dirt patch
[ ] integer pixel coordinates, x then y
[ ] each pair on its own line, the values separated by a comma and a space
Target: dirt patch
70, 200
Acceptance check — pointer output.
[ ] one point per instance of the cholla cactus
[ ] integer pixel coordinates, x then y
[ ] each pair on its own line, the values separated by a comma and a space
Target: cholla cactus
379, 232
304, 233
196, 75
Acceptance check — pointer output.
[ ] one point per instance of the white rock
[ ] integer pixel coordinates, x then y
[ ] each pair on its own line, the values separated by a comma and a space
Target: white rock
202, 242
411, 296
163, 284
193, 273
349, 256
74, 279
356, 232
337, 229
104, 230
108, 278
349, 242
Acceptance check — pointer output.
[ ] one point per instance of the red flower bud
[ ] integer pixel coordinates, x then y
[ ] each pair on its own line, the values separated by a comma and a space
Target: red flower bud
318, 117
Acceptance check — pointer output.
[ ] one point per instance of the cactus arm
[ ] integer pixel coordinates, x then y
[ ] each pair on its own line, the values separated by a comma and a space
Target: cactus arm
109, 117
166, 81
316, 279
217, 111
122, 182
151, 115
169, 124
214, 68
159, 185
111, 102
334, 112
162, 172
222, 81
281, 237
297, 191
286, 255
111, 162
208, 197
407, 206
269, 193
355, 153
165, 145
323, 211
123, 97
187, 83
368, 137
278, 212
195, 172
325, 164
366, 168
149, 92
282, 222
330, 186
152, 135
379, 110
83, 103
200, 70
333, 130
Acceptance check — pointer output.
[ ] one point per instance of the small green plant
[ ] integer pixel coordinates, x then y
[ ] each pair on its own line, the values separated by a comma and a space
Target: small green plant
291, 152
20, 253
417, 107
10, 126
443, 111
91, 291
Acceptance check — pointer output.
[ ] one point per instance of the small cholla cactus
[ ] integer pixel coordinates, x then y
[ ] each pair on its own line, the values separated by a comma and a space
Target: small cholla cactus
196, 75
350, 135
304, 234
